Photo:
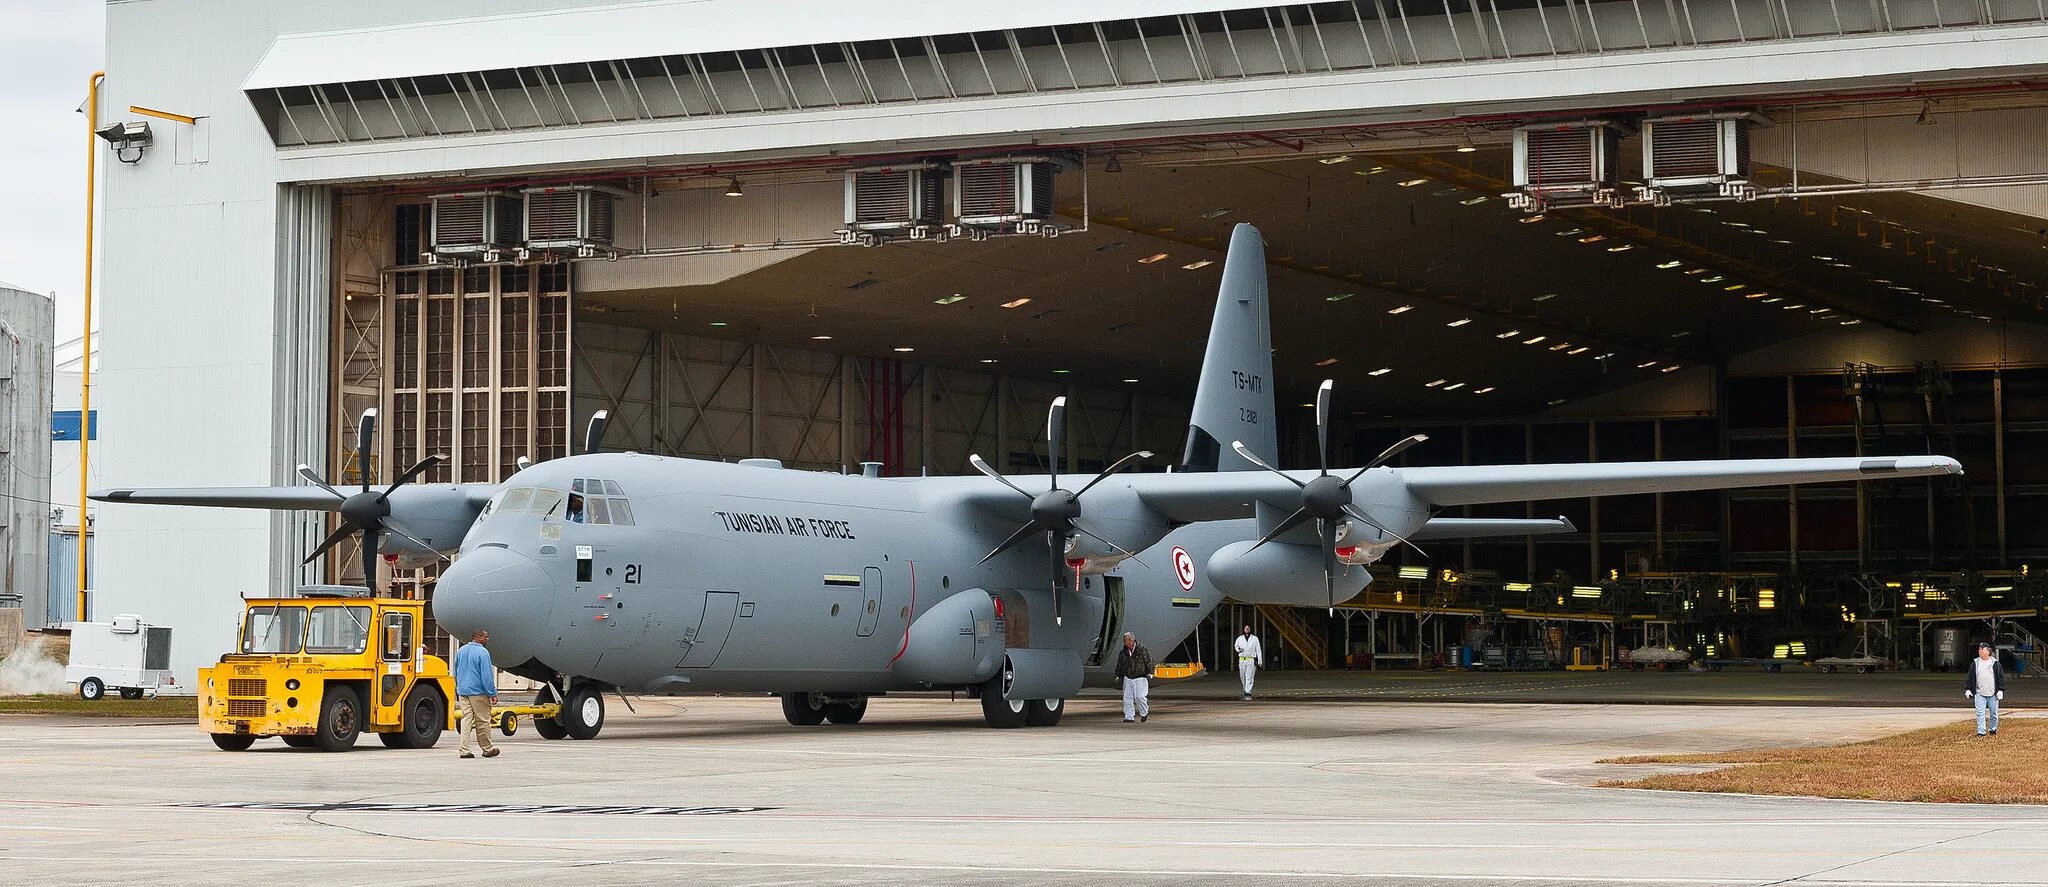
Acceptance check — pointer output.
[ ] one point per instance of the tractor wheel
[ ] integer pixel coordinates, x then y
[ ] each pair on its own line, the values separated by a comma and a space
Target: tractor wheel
233, 741
425, 718
341, 720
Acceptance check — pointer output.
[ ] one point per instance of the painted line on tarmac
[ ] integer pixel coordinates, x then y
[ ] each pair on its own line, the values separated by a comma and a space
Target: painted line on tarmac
495, 809
358, 860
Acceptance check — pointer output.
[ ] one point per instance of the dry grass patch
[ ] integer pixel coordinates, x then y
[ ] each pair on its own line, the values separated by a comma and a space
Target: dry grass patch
110, 707
1939, 764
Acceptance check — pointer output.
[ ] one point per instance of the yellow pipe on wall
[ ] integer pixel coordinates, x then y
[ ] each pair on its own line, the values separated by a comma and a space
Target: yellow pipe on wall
92, 125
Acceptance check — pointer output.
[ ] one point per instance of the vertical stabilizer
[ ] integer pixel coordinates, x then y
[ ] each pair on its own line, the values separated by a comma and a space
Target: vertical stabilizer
1234, 397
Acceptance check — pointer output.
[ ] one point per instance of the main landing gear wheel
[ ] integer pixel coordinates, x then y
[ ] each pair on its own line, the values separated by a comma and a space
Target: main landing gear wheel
424, 719
1043, 712
583, 714
1001, 713
233, 741
92, 689
341, 720
548, 728
803, 709
846, 712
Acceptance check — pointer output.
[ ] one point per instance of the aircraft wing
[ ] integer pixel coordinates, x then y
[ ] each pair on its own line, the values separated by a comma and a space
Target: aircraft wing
1480, 527
1476, 485
294, 498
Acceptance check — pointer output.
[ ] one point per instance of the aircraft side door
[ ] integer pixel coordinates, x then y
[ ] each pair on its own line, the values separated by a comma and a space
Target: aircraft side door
708, 638
871, 600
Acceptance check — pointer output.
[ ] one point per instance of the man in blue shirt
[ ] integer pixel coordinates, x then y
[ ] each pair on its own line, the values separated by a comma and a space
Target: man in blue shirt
476, 690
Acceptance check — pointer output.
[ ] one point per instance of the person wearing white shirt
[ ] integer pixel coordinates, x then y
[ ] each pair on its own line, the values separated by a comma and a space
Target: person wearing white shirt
1984, 684
1249, 655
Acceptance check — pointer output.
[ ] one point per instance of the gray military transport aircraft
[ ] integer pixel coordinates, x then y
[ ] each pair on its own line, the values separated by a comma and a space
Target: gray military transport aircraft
663, 575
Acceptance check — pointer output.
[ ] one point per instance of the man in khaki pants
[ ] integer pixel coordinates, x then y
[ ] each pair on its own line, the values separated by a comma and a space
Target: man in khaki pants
476, 690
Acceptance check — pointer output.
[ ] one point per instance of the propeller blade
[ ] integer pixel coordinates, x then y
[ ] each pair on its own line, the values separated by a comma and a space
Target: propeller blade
371, 541
1388, 454
1120, 465
307, 472
1359, 514
1024, 532
1055, 426
975, 460
1323, 426
593, 434
1292, 521
417, 469
1054, 542
1246, 452
1328, 530
366, 431
1078, 528
392, 526
332, 540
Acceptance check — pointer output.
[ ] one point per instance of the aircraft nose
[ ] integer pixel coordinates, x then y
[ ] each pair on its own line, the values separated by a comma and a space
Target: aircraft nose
500, 591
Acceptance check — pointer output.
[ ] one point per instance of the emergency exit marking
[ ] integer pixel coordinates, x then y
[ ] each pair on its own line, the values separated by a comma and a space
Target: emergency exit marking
473, 808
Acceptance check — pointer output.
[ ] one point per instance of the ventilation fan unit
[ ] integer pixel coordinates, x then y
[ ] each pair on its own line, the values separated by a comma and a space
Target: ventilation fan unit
1568, 164
571, 222
893, 202
1697, 157
473, 226
1008, 195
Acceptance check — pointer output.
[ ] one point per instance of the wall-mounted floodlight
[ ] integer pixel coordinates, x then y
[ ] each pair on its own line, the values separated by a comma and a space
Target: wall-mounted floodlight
133, 136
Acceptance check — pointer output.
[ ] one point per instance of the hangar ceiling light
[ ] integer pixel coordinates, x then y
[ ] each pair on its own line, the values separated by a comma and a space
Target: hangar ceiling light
1580, 350
821, 338
1531, 219
1454, 386
1435, 383
1381, 371
1459, 322
1413, 182
1646, 364
1332, 161
948, 300
719, 323
1219, 211
1017, 303
1155, 257
905, 349
732, 188
1622, 248
1672, 368
1536, 340
1666, 266
1197, 265
1546, 297
1326, 361
1509, 334
1482, 390
1338, 297
1401, 310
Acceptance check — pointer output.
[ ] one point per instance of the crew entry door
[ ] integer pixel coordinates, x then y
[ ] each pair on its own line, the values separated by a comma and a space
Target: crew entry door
871, 600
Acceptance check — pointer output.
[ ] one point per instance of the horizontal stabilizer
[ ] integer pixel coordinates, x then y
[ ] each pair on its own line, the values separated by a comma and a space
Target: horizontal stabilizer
279, 498
1474, 485
1480, 527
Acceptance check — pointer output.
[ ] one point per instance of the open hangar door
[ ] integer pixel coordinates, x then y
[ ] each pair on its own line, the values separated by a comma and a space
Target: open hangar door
741, 311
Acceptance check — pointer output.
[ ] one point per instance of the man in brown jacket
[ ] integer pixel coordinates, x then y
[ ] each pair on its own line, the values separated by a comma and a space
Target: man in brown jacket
1134, 668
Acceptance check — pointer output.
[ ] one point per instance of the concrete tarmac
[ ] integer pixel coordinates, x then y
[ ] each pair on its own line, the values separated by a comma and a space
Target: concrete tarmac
721, 791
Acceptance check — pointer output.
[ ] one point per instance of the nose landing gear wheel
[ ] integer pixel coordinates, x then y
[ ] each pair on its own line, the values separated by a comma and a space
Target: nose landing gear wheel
548, 728
802, 709
1043, 712
583, 714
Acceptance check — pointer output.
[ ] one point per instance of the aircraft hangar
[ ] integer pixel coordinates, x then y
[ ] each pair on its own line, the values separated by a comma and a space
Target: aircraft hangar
1652, 231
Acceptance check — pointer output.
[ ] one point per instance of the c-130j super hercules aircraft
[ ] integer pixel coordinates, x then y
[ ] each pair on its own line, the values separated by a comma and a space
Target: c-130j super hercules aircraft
665, 575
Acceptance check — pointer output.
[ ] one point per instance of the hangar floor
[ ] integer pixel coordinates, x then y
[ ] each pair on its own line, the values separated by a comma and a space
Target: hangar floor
1206, 793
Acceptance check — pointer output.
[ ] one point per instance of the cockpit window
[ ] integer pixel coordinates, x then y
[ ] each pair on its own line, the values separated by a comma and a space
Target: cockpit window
600, 511
576, 506
611, 488
516, 500
622, 513
548, 502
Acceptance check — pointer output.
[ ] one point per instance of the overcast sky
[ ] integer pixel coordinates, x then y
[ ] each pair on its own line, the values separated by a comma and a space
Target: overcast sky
47, 50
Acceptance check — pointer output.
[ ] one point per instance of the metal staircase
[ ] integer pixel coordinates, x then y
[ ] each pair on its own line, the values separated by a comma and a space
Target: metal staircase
2024, 646
1311, 644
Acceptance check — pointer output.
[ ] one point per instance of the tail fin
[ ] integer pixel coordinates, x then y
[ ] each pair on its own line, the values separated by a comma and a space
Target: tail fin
1234, 397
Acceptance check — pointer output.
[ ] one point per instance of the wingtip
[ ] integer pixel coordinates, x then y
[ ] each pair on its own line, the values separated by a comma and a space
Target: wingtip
109, 495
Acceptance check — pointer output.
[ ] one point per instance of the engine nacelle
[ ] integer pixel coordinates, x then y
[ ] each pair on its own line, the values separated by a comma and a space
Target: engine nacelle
1280, 573
1030, 673
953, 643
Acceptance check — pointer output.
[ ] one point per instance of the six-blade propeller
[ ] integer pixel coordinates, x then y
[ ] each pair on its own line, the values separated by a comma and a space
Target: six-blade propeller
368, 512
1327, 498
1055, 513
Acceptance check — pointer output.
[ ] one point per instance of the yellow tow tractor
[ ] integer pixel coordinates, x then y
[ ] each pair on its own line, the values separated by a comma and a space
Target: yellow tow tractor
307, 671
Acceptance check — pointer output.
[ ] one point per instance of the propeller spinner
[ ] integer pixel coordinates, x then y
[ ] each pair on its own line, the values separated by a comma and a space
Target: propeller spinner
1055, 513
368, 512
1327, 499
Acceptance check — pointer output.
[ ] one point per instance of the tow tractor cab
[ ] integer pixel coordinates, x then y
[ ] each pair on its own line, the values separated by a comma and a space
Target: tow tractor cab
319, 669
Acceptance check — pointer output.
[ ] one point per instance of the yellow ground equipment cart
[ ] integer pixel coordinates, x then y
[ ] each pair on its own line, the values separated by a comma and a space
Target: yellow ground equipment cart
320, 669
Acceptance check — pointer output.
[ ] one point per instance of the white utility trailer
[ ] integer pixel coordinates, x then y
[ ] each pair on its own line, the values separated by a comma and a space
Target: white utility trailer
127, 655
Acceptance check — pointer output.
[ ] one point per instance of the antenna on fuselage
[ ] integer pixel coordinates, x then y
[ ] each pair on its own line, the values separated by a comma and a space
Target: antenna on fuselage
523, 463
